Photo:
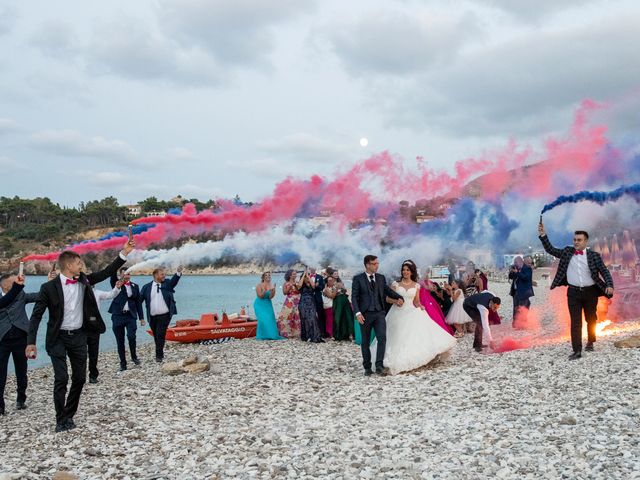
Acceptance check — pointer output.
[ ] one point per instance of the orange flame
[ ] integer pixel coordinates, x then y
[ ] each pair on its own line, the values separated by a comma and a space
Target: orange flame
602, 325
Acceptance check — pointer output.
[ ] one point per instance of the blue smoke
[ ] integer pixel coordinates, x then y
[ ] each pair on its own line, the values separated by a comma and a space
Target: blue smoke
137, 229
597, 197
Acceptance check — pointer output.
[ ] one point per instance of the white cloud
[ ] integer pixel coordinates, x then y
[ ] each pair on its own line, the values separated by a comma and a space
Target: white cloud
74, 144
8, 17
107, 179
7, 125
56, 39
236, 33
400, 42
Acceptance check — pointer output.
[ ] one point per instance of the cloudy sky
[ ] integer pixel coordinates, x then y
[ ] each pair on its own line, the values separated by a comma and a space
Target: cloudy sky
213, 98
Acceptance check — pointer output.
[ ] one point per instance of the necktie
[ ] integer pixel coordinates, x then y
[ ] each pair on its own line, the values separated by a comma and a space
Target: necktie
70, 282
373, 282
579, 252
158, 287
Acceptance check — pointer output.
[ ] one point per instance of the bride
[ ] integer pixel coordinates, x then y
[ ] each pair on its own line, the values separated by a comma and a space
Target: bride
413, 338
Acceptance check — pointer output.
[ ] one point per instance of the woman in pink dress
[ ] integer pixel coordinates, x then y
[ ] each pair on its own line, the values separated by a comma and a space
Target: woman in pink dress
429, 303
288, 320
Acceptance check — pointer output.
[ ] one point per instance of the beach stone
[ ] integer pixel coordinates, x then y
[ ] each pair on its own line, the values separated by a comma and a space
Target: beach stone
567, 421
190, 360
196, 368
172, 368
629, 342
64, 476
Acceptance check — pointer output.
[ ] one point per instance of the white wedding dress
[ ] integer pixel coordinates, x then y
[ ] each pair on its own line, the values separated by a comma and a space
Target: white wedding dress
413, 338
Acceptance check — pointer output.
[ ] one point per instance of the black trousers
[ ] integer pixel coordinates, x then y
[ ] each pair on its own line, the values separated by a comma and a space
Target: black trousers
474, 313
122, 323
322, 318
72, 344
582, 300
373, 321
159, 324
521, 302
93, 348
14, 344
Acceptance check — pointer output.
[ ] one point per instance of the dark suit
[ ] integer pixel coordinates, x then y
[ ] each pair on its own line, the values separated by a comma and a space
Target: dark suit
160, 323
317, 295
470, 306
521, 291
72, 343
370, 300
14, 325
580, 299
126, 319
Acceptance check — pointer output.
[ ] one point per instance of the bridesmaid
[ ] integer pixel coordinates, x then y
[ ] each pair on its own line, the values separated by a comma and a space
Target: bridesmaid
343, 318
328, 294
267, 327
289, 317
308, 312
427, 291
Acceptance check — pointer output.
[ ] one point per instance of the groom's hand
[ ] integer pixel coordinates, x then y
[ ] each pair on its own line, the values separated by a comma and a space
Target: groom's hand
360, 318
400, 302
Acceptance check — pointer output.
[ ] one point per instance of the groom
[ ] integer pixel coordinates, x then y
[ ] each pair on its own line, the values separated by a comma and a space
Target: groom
368, 296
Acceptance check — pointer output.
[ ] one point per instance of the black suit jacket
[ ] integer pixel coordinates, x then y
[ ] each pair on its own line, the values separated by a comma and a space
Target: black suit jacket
363, 296
52, 298
167, 288
599, 272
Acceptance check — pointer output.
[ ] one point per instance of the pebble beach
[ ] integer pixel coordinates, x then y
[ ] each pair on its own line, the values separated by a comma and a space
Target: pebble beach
287, 409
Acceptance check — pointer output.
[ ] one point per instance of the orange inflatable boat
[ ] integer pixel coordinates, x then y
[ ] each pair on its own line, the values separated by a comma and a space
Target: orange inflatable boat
209, 329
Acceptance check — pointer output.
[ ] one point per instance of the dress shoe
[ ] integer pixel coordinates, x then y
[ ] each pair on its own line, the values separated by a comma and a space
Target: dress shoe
575, 356
478, 349
123, 368
1, 411
589, 347
368, 372
70, 424
93, 380
382, 371
158, 360
62, 427
20, 405
135, 361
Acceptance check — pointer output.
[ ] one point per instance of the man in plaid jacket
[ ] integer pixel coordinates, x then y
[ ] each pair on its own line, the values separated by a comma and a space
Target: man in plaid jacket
587, 278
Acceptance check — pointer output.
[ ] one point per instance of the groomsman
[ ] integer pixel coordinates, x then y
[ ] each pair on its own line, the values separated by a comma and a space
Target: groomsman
521, 276
125, 309
14, 324
587, 278
160, 306
477, 307
73, 315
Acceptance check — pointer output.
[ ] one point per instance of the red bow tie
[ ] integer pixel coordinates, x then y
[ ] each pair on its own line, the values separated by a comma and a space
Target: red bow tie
127, 283
71, 282
579, 252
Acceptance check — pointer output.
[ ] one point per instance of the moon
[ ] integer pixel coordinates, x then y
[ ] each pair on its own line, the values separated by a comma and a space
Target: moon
364, 141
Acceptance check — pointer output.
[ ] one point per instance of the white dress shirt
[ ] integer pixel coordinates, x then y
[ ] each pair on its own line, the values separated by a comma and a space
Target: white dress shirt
158, 305
104, 295
578, 273
484, 317
73, 299
125, 309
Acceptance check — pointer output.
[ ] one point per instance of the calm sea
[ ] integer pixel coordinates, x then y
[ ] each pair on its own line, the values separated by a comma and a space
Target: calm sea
194, 295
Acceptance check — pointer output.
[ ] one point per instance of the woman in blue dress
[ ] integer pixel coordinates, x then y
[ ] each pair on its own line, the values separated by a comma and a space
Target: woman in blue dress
265, 291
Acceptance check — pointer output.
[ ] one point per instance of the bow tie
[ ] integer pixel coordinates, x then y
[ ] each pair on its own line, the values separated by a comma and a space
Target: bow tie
127, 283
71, 282
579, 252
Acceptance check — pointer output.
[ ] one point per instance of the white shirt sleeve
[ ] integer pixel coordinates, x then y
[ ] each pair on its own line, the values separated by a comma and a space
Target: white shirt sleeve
484, 317
102, 295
